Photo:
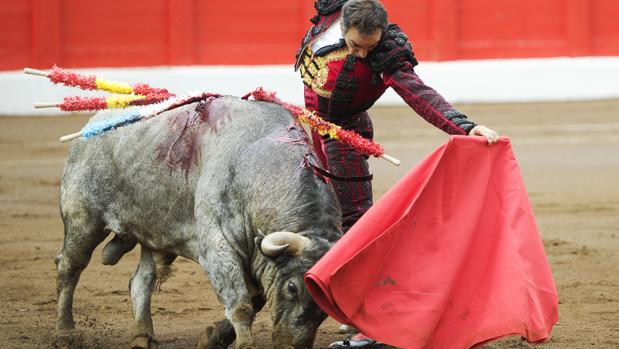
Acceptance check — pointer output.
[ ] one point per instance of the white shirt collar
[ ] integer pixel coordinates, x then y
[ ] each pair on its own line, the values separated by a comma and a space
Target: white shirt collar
331, 36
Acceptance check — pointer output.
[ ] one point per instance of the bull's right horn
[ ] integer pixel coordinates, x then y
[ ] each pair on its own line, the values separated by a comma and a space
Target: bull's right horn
279, 242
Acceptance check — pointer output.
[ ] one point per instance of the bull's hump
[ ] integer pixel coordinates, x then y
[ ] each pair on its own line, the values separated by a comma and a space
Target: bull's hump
180, 144
232, 119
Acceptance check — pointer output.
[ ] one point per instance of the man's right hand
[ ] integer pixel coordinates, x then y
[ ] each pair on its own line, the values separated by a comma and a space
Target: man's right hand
481, 130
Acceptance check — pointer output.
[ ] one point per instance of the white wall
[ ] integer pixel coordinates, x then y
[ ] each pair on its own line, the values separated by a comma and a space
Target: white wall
483, 81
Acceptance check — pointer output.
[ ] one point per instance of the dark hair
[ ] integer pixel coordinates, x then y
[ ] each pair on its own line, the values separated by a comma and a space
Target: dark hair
365, 15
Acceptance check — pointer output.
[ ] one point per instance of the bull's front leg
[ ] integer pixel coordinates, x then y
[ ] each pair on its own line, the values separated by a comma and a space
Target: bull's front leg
227, 275
221, 334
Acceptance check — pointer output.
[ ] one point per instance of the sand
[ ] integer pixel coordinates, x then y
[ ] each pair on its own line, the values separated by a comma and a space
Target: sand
568, 153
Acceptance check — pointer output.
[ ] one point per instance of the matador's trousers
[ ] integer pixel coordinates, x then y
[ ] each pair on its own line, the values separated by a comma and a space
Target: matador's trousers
355, 196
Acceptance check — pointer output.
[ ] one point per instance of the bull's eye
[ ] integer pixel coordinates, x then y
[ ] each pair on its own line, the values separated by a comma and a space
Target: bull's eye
292, 288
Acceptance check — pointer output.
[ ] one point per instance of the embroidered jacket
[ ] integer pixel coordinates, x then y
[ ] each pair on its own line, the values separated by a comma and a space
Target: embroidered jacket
339, 85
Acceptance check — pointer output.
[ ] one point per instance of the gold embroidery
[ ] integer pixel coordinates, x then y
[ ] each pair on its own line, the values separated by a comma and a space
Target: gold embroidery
315, 69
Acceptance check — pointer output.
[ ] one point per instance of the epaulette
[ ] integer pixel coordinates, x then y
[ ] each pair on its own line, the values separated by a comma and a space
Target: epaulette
392, 47
327, 7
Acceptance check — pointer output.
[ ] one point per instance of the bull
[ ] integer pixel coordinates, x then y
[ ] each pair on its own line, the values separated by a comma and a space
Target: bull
225, 182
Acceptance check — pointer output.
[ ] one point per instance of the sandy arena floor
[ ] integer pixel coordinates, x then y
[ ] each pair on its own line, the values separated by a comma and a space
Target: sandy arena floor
568, 152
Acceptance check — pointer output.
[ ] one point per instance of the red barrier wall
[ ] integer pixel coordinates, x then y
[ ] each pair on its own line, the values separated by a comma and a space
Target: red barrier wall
90, 33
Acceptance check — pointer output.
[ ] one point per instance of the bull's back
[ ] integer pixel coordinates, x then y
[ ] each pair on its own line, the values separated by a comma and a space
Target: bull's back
143, 177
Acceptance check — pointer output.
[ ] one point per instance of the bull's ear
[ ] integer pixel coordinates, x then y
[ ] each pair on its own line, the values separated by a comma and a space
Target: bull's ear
258, 240
261, 234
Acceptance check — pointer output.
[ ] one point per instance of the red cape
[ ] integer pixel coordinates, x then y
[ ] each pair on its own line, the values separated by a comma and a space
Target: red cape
450, 257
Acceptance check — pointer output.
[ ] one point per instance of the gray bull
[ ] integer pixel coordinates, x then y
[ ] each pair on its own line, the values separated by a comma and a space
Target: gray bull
203, 181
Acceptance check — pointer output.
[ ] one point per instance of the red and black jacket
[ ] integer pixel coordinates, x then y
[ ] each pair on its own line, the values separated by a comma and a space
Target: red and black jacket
338, 85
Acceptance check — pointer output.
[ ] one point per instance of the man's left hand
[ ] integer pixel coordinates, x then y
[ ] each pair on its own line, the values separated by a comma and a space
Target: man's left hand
481, 130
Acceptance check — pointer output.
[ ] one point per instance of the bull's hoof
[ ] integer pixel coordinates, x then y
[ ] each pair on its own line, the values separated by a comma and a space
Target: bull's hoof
69, 340
143, 341
219, 336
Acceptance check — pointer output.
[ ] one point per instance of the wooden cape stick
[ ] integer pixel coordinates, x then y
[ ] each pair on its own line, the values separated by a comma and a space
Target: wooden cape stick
44, 74
35, 72
391, 159
46, 105
70, 137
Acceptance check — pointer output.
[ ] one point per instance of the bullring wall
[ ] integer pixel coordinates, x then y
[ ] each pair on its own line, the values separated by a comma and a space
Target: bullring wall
122, 33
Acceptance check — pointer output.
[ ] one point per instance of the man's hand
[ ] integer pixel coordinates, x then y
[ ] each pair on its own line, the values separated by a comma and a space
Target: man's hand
481, 130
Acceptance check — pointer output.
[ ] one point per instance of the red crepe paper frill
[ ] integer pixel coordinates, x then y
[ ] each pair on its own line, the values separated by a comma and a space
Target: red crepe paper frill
60, 76
145, 90
362, 145
101, 103
316, 123
267, 96
89, 82
152, 98
82, 104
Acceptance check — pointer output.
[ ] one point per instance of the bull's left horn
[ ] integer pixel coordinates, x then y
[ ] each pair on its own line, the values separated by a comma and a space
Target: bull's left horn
279, 242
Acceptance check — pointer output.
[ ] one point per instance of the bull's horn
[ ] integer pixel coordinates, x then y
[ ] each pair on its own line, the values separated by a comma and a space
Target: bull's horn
279, 242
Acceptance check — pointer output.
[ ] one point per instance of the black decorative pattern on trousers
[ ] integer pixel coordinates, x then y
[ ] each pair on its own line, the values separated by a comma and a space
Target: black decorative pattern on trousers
355, 197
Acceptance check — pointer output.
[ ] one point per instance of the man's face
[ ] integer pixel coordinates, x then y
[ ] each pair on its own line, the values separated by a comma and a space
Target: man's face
361, 44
